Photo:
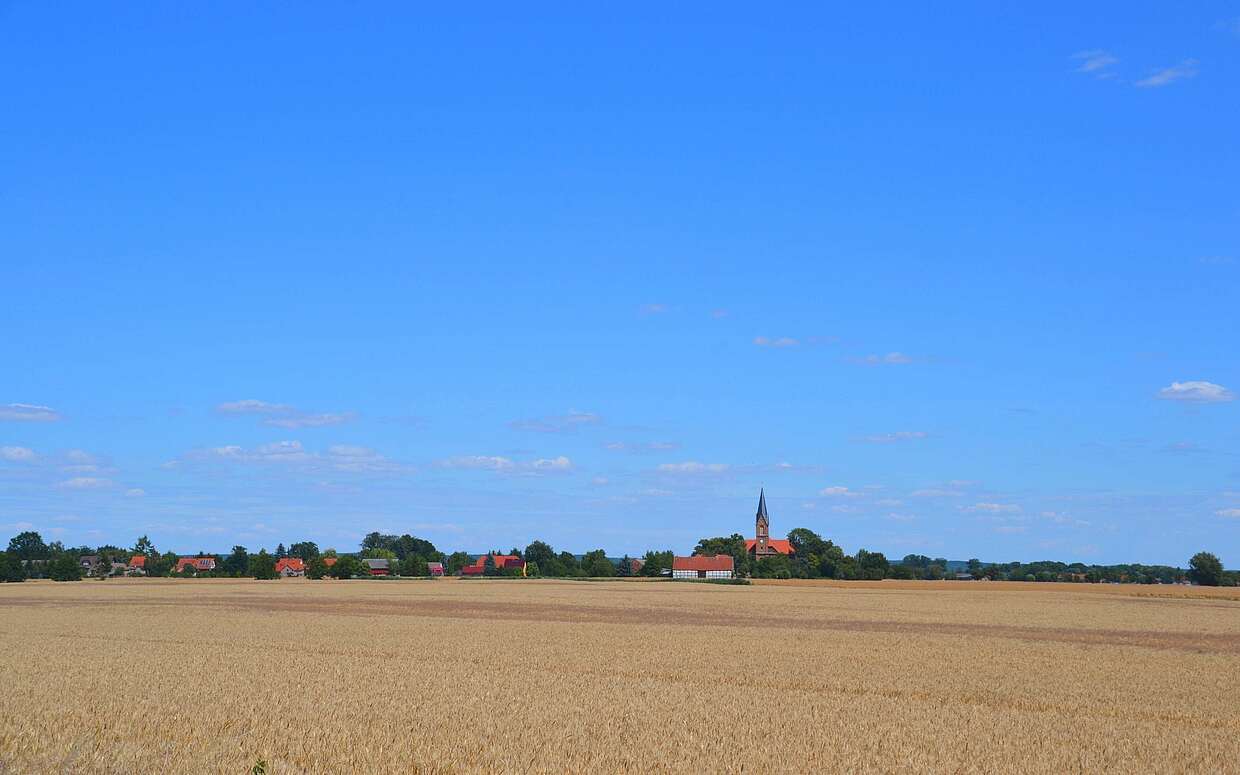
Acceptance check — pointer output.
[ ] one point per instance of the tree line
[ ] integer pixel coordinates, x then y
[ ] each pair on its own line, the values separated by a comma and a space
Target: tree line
29, 556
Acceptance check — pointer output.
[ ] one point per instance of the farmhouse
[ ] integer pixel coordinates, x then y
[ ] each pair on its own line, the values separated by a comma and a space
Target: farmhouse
502, 562
762, 545
199, 564
137, 564
718, 567
378, 567
290, 566
435, 569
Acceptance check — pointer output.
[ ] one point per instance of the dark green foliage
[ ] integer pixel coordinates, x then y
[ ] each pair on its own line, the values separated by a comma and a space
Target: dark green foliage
413, 565
596, 565
733, 545
65, 567
29, 546
347, 566
316, 568
11, 568
237, 563
455, 562
775, 567
263, 566
488, 566
1205, 569
306, 550
656, 562
624, 568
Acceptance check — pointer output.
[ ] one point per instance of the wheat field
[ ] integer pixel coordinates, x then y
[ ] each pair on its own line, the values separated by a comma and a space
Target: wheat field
158, 676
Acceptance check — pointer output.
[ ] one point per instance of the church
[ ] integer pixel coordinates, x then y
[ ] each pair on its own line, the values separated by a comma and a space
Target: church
762, 545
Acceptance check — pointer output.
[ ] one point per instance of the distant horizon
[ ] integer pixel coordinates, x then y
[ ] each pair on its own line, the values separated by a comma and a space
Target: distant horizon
942, 283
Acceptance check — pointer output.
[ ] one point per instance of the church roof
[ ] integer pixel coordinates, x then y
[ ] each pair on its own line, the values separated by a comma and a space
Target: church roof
762, 504
780, 545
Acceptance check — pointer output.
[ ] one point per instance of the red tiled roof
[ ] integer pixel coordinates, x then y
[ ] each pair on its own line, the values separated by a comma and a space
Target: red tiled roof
471, 570
292, 563
199, 563
778, 544
137, 561
696, 563
501, 561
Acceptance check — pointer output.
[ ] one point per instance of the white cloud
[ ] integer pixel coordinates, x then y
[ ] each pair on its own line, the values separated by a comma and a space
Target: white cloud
993, 508
778, 342
85, 483
283, 415
560, 463
890, 359
28, 413
1228, 513
693, 467
1169, 75
935, 492
17, 454
599, 481
309, 420
135, 492
647, 446
252, 406
890, 438
560, 423
1096, 62
478, 462
1197, 392
837, 491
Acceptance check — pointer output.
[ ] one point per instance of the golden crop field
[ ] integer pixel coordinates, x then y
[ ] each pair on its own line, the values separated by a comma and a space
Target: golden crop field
180, 676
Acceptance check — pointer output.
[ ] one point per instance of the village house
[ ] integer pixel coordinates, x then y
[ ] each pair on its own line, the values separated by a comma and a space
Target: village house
502, 562
718, 567
137, 565
199, 564
762, 545
378, 567
290, 566
435, 569
88, 562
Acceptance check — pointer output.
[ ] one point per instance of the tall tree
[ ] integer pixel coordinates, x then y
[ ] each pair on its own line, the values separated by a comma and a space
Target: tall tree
306, 550
28, 545
1205, 569
263, 565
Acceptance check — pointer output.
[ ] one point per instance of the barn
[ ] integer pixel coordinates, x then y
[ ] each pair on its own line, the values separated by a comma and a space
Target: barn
434, 569
718, 567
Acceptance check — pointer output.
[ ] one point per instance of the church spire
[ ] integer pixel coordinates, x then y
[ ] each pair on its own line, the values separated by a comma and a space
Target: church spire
762, 503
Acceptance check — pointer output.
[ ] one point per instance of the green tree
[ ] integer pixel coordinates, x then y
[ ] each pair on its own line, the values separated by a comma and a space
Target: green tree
281, 552
263, 565
379, 554
413, 565
455, 562
654, 562
237, 563
11, 568
29, 546
488, 566
540, 553
144, 547
773, 567
975, 567
316, 568
873, 565
379, 541
65, 567
306, 550
347, 566
596, 565
624, 568
1205, 569
733, 545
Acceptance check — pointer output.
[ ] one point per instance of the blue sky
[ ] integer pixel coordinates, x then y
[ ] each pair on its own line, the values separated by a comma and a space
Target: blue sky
959, 281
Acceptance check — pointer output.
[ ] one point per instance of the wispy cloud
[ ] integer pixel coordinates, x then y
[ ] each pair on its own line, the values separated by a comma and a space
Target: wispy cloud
891, 438
85, 483
1197, 392
1095, 62
560, 423
292, 454
935, 492
641, 446
693, 467
777, 342
560, 464
993, 508
283, 415
135, 492
837, 491
652, 309
28, 413
17, 454
1169, 75
1228, 513
890, 359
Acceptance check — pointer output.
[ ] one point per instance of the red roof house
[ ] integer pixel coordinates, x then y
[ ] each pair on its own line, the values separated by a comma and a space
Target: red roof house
199, 564
290, 566
696, 567
137, 562
502, 562
434, 568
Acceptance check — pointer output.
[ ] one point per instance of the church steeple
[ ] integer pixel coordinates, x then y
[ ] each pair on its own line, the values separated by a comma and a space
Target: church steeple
762, 525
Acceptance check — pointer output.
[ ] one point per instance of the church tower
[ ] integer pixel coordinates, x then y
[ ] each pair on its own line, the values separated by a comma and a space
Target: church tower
762, 527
